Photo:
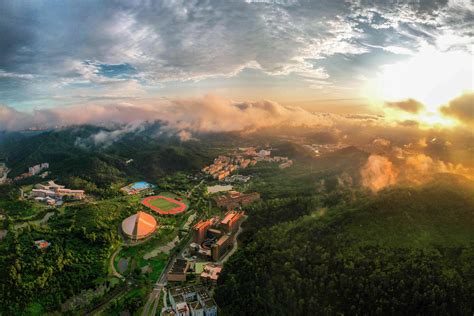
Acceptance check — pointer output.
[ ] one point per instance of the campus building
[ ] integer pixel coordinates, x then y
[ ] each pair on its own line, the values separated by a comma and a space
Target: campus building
178, 271
139, 226
234, 199
137, 187
38, 168
210, 273
223, 244
231, 220
213, 238
56, 191
200, 230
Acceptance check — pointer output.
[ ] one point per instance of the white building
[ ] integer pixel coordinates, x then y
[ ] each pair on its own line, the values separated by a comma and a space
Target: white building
38, 168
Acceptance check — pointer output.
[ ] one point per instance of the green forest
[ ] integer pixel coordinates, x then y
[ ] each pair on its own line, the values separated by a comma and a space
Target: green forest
404, 251
81, 241
316, 241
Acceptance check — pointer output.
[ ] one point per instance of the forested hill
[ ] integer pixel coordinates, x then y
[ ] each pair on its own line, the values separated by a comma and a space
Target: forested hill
405, 251
77, 159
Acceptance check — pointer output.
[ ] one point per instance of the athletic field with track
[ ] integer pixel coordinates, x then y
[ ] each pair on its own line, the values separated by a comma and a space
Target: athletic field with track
164, 205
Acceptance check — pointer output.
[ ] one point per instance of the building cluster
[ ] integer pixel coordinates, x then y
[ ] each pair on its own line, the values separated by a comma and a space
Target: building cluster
238, 178
214, 237
284, 162
266, 155
190, 301
53, 194
33, 171
207, 271
320, 149
234, 199
223, 166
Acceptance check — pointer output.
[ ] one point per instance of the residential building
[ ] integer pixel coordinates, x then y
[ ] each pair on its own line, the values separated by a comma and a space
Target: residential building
197, 300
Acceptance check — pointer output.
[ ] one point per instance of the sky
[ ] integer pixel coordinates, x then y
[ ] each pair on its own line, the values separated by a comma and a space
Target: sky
407, 60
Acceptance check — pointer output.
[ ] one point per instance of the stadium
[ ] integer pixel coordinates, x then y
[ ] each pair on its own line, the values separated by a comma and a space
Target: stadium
164, 205
139, 226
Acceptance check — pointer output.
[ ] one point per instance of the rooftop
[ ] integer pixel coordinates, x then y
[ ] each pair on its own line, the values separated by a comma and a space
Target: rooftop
139, 225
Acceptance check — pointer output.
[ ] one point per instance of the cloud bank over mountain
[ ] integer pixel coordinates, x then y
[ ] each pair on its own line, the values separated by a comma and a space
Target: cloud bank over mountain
208, 114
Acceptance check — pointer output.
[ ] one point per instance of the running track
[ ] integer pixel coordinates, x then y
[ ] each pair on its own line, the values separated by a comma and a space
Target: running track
181, 207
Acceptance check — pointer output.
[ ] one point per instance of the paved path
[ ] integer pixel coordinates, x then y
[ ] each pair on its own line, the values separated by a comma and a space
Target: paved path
192, 190
42, 221
112, 265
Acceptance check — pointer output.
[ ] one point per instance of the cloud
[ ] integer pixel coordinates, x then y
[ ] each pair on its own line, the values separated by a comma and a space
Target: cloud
184, 135
378, 173
409, 105
409, 123
208, 114
106, 138
381, 142
461, 108
62, 47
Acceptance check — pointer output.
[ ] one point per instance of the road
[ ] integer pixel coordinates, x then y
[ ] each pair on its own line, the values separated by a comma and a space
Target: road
112, 265
192, 190
154, 297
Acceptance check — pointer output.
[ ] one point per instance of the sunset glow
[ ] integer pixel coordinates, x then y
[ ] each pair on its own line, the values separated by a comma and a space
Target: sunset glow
430, 76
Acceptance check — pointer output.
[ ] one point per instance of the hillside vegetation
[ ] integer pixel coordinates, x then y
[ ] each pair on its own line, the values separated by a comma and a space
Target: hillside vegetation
407, 250
81, 241
76, 160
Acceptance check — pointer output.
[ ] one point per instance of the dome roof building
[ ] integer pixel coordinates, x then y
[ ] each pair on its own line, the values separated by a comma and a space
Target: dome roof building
139, 226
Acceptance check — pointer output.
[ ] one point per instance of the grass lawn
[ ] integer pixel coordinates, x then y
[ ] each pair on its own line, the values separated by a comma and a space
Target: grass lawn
34, 309
136, 253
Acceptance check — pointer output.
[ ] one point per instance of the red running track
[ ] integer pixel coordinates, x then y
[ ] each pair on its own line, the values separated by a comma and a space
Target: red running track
179, 209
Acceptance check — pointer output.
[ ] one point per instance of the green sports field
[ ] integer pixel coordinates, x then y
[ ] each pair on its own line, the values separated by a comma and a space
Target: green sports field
163, 204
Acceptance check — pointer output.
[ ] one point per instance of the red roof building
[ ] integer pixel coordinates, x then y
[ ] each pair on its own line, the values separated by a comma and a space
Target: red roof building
139, 226
230, 223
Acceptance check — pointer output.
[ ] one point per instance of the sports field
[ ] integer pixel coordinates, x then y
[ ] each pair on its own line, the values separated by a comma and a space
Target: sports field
164, 205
